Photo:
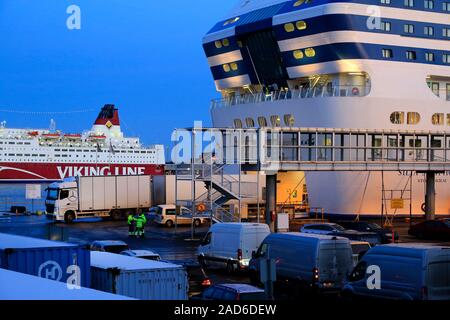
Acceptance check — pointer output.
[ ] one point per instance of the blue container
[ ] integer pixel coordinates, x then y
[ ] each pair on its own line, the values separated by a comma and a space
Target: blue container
47, 259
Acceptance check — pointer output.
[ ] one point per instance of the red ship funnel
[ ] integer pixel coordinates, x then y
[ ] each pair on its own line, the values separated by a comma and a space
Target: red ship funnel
109, 113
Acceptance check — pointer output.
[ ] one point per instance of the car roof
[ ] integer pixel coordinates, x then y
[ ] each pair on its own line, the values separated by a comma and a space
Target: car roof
142, 253
110, 242
320, 224
241, 287
312, 236
359, 242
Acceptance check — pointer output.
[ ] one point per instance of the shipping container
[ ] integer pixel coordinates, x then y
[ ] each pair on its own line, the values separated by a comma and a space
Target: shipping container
138, 278
20, 286
46, 259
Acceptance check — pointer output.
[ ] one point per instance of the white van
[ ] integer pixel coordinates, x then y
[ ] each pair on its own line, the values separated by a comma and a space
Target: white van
231, 245
408, 272
306, 260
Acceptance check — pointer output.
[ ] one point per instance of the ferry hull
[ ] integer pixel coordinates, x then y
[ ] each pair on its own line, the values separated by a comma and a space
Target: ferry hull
40, 172
360, 193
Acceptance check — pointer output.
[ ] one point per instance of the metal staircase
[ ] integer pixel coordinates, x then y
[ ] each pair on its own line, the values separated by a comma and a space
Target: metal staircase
221, 189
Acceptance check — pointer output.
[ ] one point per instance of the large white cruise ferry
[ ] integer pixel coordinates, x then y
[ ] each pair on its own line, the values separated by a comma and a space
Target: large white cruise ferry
47, 155
355, 64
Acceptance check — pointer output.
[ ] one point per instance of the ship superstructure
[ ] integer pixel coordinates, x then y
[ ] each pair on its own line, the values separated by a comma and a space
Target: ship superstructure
338, 64
47, 155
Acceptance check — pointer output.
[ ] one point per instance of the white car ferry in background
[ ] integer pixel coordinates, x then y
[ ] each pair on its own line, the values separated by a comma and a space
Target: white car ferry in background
42, 155
334, 64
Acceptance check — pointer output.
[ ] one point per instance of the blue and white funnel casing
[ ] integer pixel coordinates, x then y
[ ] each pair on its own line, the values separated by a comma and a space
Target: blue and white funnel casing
354, 64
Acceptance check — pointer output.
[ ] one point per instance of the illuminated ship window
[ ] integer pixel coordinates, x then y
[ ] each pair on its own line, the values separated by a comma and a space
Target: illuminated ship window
385, 26
428, 30
226, 68
411, 55
231, 21
218, 44
226, 42
387, 53
289, 120
438, 119
238, 123
429, 56
413, 118
289, 27
434, 86
298, 3
385, 1
234, 66
301, 25
240, 44
298, 54
262, 122
408, 28
310, 52
446, 32
397, 117
409, 3
448, 119
446, 6
446, 58
429, 4
275, 121
250, 123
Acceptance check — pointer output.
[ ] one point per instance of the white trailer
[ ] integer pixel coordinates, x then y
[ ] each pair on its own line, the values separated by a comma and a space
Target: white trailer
100, 196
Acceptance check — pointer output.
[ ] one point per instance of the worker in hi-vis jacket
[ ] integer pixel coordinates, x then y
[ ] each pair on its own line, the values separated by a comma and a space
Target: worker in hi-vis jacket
141, 220
131, 225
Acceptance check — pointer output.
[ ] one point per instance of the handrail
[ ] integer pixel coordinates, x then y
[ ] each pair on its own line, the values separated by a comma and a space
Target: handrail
301, 93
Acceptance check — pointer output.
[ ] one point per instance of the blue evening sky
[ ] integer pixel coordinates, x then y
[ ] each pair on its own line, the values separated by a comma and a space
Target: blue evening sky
145, 56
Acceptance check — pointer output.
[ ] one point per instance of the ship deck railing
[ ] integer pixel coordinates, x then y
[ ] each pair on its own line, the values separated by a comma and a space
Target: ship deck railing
301, 93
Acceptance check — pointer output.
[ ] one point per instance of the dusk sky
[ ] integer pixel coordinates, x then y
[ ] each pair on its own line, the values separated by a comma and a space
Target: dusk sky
144, 56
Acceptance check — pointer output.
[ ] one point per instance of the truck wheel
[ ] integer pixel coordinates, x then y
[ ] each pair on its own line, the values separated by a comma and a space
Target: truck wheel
197, 223
116, 215
69, 216
169, 223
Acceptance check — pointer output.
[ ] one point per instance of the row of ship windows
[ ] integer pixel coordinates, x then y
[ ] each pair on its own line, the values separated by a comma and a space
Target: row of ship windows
412, 55
90, 150
18, 143
275, 121
427, 4
385, 26
410, 29
412, 118
63, 161
60, 155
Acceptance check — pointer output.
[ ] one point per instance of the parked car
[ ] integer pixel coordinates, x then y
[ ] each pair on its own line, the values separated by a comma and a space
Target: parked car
232, 292
335, 229
305, 260
231, 245
433, 229
166, 215
363, 226
198, 280
142, 254
359, 249
112, 246
408, 272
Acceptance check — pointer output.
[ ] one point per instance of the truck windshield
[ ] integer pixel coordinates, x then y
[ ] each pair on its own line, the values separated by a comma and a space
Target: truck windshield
52, 194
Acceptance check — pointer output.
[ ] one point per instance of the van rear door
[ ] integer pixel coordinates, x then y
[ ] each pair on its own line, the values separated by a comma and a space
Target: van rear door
335, 262
438, 280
